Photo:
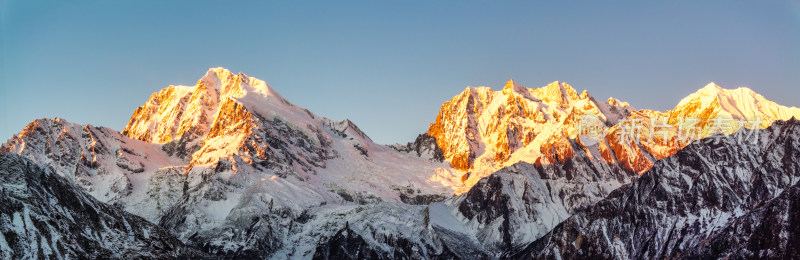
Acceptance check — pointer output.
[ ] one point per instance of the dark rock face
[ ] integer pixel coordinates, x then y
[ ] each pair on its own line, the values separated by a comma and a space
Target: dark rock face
99, 160
179, 147
423, 199
424, 146
348, 244
770, 231
276, 145
271, 143
44, 215
522, 202
261, 232
711, 199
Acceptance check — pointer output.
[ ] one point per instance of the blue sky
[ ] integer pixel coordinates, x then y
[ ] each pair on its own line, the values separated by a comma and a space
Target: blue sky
386, 65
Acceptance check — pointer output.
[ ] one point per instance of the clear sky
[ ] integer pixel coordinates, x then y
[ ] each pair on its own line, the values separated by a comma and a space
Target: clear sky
386, 65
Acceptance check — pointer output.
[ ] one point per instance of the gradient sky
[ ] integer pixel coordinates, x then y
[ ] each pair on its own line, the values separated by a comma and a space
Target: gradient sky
386, 65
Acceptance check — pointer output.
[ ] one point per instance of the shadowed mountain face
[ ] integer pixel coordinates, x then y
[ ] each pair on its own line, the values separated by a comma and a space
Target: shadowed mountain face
769, 231
520, 203
44, 215
230, 168
712, 198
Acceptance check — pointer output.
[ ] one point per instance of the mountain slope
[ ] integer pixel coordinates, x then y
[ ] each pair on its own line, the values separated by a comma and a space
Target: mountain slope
712, 101
684, 200
113, 168
481, 131
213, 157
250, 123
769, 231
256, 162
520, 203
46, 216
232, 168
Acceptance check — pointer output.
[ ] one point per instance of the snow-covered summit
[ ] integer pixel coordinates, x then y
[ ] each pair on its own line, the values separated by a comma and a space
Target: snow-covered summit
205, 158
710, 110
234, 117
713, 101
482, 130
559, 92
514, 87
711, 87
176, 111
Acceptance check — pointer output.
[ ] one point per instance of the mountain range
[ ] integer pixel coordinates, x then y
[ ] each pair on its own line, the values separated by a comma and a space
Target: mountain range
229, 168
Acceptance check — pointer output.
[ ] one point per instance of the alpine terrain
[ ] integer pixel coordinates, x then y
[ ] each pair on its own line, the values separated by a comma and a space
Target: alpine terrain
228, 168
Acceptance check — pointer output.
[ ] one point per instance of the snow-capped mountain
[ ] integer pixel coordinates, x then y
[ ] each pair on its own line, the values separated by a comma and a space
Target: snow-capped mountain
565, 171
217, 155
231, 168
113, 168
646, 136
45, 216
710, 199
742, 103
481, 131
228, 121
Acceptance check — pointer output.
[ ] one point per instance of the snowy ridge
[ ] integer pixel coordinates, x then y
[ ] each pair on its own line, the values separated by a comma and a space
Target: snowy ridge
742, 103
111, 167
481, 131
225, 151
522, 202
710, 110
684, 200
45, 216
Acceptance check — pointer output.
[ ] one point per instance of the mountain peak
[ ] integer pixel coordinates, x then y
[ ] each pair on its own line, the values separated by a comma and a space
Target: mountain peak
176, 110
514, 87
225, 81
706, 95
559, 92
217, 71
713, 101
711, 88
217, 76
510, 84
